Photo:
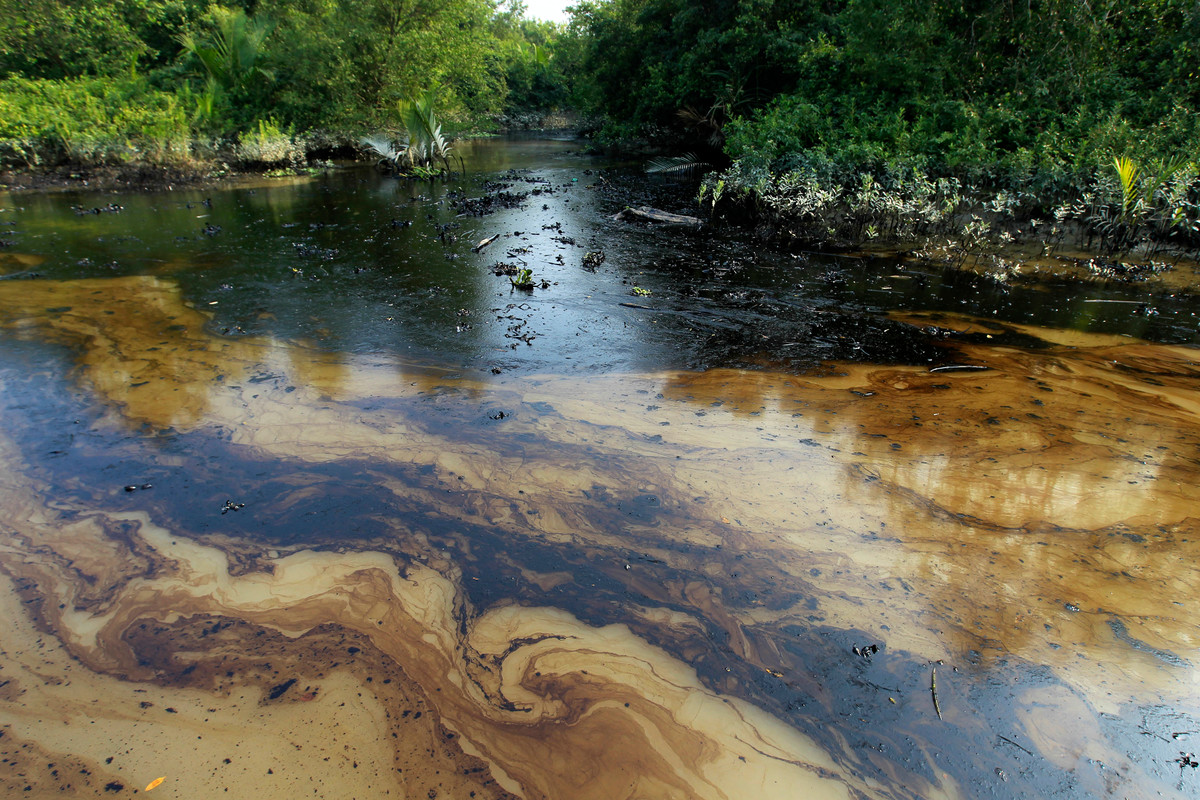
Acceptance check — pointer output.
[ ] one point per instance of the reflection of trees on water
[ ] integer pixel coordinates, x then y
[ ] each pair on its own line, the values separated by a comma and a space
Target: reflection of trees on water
1036, 502
137, 346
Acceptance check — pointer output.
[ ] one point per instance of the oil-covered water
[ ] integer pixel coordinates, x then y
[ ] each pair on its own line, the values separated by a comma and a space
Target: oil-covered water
298, 495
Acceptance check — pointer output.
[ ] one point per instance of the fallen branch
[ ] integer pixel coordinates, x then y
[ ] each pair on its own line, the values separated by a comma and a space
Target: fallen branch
1014, 744
933, 689
654, 215
485, 243
958, 368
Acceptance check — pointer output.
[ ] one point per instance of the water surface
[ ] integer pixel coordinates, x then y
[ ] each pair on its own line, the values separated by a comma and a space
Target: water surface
298, 495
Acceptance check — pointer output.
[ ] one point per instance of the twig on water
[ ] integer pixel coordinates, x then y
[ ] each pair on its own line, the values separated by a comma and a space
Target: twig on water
484, 243
933, 689
1014, 744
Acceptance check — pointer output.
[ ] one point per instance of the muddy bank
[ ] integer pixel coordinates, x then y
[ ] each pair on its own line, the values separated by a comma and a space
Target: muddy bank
132, 177
1085, 231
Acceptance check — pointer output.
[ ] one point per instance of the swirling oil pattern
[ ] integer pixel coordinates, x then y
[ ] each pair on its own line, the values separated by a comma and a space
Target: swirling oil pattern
262, 569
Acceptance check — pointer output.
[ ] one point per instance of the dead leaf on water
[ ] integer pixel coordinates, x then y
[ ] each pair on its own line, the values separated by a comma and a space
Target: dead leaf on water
155, 782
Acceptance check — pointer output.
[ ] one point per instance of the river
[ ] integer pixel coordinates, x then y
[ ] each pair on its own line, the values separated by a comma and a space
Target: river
300, 496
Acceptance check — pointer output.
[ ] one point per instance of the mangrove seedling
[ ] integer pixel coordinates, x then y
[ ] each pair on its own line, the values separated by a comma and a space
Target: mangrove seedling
523, 280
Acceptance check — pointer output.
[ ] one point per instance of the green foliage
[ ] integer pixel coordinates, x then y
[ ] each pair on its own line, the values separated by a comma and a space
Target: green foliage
823, 205
90, 120
238, 67
268, 145
1141, 207
1128, 172
421, 150
522, 280
998, 92
647, 59
686, 164
534, 62
229, 54
424, 143
231, 51
57, 39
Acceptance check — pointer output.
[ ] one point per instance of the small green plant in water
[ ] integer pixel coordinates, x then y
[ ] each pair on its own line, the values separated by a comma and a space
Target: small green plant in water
426, 146
1128, 172
523, 280
1150, 208
714, 189
640, 292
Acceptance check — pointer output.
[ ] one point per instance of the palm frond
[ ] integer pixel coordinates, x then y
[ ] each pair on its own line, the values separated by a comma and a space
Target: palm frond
709, 125
230, 52
1128, 172
381, 146
426, 144
686, 164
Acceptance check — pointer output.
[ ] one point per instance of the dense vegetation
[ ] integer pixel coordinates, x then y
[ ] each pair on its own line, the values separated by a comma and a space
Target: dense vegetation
849, 119
94, 81
968, 84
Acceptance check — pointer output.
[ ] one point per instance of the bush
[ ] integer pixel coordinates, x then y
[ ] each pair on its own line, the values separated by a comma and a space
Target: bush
90, 120
268, 146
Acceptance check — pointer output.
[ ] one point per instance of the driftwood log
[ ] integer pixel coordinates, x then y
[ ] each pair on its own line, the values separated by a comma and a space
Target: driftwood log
654, 215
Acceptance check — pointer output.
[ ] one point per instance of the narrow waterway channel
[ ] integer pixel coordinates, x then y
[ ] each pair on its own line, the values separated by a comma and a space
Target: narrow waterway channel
299, 496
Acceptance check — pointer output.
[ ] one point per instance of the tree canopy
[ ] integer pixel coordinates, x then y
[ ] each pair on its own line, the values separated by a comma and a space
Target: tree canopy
953, 82
1015, 86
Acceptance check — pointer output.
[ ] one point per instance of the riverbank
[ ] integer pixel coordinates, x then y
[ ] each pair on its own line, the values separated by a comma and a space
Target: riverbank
124, 177
1008, 238
1129, 223
271, 154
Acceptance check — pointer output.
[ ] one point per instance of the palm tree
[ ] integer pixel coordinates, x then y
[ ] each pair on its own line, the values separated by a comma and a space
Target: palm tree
425, 143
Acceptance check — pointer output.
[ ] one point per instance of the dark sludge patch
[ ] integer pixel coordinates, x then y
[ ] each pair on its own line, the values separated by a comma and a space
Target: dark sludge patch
496, 197
1122, 634
803, 341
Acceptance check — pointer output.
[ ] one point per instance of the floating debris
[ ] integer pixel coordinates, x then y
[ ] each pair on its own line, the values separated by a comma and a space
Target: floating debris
933, 689
485, 243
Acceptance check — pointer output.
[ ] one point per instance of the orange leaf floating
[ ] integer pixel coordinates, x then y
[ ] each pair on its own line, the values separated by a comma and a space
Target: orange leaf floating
154, 783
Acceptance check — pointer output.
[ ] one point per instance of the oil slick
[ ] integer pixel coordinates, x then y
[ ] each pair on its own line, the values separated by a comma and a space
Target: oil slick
547, 702
629, 586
